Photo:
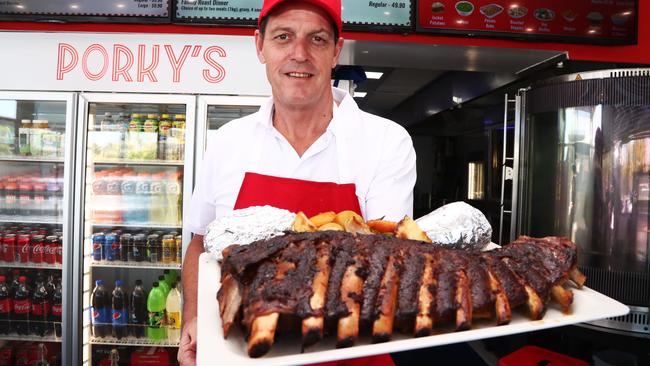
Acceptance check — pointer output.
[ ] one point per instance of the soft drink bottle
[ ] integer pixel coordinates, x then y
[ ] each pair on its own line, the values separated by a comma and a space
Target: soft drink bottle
156, 308
170, 277
5, 307
22, 307
57, 308
138, 310
40, 315
100, 310
114, 357
41, 356
120, 311
173, 306
162, 282
142, 197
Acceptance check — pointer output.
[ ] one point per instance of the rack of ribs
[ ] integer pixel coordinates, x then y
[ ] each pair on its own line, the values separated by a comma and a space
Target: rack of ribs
342, 283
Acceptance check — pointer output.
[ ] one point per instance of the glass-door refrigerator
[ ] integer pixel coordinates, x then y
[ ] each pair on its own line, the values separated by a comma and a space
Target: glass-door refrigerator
214, 111
36, 154
135, 169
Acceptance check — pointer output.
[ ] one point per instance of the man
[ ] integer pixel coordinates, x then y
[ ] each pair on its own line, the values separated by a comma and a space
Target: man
308, 149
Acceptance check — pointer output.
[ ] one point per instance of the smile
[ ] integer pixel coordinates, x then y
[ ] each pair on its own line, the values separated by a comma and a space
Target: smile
301, 75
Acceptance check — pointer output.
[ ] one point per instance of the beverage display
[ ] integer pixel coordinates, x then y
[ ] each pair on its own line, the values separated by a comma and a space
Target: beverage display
32, 193
134, 246
33, 246
101, 313
120, 316
156, 307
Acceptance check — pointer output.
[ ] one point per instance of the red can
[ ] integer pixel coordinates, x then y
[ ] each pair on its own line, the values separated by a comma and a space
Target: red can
37, 254
23, 248
49, 249
59, 250
8, 247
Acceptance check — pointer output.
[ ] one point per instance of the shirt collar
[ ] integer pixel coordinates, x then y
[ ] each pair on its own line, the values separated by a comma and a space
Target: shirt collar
341, 113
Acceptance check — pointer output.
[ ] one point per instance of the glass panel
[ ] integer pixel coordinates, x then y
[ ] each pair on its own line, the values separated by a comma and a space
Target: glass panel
32, 144
596, 162
132, 229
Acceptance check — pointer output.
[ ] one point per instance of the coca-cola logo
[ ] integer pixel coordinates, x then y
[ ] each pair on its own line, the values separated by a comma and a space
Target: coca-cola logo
37, 249
39, 309
59, 250
57, 310
4, 306
48, 249
22, 306
24, 248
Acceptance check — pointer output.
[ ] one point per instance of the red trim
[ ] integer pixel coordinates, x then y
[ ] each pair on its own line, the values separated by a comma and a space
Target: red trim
639, 53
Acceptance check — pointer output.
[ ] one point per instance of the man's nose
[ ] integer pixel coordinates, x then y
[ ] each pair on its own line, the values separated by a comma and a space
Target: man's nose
300, 51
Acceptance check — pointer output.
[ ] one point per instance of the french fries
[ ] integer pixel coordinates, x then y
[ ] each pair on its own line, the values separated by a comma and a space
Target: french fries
302, 224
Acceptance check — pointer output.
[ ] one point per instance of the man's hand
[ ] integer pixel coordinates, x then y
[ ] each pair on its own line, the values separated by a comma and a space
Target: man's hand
187, 348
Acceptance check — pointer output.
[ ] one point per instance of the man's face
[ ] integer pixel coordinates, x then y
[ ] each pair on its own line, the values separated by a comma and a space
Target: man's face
299, 50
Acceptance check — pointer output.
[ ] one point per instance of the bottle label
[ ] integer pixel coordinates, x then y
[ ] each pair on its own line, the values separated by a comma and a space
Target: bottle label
156, 319
22, 306
5, 306
174, 320
57, 310
42, 309
120, 317
100, 316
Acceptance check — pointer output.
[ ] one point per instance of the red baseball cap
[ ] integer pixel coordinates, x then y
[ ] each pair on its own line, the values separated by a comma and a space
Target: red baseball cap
331, 7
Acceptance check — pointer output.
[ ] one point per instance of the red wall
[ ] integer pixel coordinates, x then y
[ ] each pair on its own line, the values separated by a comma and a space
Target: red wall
639, 53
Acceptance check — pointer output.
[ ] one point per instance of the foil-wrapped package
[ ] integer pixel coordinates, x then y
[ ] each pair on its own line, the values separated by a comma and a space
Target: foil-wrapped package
457, 225
246, 226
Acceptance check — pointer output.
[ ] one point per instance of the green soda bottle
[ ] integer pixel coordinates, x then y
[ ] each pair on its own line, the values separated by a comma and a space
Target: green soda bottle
169, 277
162, 283
156, 306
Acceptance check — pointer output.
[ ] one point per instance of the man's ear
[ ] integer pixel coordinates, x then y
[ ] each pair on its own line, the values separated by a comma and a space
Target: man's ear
337, 51
259, 44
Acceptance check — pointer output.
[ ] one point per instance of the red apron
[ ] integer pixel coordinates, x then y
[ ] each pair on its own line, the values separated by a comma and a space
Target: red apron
311, 198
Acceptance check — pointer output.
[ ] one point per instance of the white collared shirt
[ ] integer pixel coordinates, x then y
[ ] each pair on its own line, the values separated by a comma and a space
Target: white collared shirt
374, 153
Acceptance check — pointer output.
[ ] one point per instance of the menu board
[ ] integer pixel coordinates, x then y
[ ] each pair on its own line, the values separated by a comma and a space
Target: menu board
355, 12
218, 9
104, 8
607, 21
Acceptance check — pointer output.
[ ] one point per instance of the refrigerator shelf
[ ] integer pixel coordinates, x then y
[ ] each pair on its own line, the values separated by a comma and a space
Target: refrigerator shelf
131, 341
31, 159
138, 162
29, 338
142, 226
30, 219
30, 265
122, 264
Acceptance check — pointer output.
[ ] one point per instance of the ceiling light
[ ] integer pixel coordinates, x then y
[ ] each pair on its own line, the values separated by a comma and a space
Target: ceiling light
74, 6
120, 5
373, 74
360, 94
20, 7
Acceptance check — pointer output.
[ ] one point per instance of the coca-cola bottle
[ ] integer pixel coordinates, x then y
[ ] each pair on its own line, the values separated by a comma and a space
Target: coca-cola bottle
120, 313
5, 307
41, 306
138, 310
22, 307
57, 308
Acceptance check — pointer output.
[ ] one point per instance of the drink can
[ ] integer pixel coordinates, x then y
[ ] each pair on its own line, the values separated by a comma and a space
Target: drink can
126, 241
179, 249
98, 246
49, 249
111, 247
22, 254
168, 249
8, 247
38, 250
153, 248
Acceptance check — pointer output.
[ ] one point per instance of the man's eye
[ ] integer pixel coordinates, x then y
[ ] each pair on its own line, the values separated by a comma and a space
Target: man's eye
282, 37
319, 39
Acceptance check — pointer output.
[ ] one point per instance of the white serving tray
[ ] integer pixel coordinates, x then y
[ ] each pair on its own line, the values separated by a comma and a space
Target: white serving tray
212, 348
